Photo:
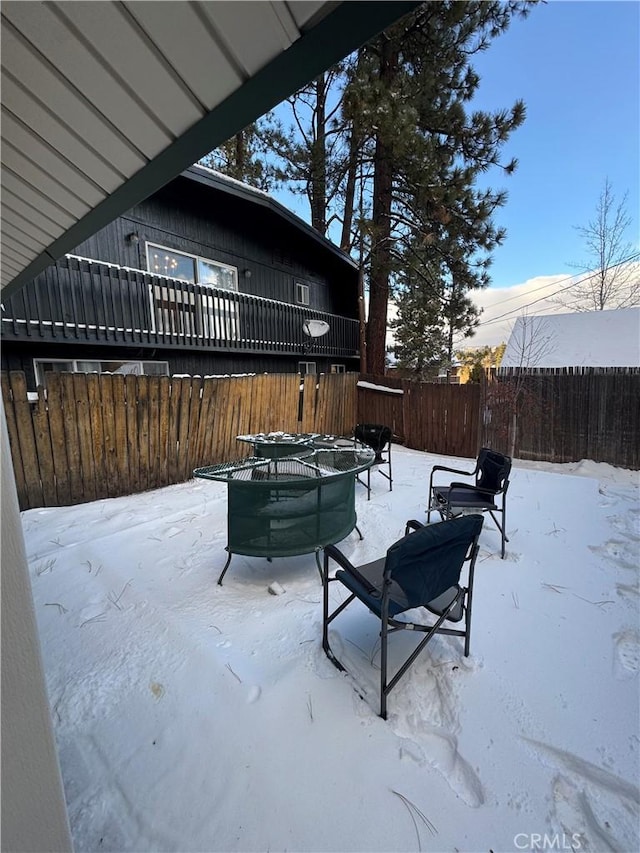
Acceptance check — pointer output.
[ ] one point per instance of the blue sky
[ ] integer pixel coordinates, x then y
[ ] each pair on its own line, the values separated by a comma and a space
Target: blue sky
576, 66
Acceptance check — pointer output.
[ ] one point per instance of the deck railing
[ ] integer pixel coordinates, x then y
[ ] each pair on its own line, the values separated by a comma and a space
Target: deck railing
79, 300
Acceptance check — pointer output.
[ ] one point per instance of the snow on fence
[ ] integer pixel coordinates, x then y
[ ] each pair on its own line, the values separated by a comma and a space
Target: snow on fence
91, 436
94, 436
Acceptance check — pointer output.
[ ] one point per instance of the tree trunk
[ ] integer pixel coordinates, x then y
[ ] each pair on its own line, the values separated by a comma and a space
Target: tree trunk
318, 160
361, 318
350, 192
381, 229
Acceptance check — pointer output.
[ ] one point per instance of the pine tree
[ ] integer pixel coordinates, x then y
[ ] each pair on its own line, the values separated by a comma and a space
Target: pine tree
243, 158
429, 152
307, 142
420, 339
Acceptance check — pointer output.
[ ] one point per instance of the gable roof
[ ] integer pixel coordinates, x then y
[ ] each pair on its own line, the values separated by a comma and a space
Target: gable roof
223, 183
584, 339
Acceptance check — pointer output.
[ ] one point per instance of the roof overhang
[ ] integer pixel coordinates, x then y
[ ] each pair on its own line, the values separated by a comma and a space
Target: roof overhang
104, 103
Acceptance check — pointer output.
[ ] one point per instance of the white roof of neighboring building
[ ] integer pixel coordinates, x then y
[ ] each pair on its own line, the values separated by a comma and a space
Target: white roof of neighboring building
584, 339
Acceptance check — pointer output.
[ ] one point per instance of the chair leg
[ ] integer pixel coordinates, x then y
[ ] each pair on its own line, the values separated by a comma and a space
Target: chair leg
467, 625
367, 485
384, 633
326, 619
501, 527
226, 566
319, 565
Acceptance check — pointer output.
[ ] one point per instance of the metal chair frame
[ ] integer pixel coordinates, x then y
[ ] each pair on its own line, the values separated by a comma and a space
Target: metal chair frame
480, 498
378, 437
456, 606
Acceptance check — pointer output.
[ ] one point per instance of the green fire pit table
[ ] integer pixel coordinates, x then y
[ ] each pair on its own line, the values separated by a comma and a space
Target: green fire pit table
286, 506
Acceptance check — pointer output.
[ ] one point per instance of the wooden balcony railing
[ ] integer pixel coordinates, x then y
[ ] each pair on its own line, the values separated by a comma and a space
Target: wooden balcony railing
90, 301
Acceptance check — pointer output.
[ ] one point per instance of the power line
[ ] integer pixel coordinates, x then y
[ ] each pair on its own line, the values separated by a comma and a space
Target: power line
633, 257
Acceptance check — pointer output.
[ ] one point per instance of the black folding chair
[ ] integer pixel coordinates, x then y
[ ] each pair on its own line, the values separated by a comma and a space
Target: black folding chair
378, 438
421, 570
488, 493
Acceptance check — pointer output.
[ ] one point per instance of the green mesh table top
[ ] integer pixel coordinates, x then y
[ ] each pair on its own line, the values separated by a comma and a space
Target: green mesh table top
307, 463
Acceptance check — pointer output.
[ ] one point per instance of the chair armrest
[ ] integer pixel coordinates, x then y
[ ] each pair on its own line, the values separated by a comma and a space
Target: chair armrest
412, 524
453, 470
331, 552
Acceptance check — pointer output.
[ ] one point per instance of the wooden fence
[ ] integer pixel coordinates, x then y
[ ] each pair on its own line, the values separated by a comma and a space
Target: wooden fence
442, 419
558, 418
565, 418
90, 437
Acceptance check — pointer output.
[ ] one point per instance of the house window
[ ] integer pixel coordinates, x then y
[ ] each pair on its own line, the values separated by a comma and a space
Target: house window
175, 311
217, 275
305, 367
43, 366
302, 293
337, 368
191, 268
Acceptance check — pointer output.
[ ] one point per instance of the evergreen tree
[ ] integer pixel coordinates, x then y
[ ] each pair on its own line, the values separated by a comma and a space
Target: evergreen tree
385, 144
477, 361
242, 158
310, 149
428, 152
420, 339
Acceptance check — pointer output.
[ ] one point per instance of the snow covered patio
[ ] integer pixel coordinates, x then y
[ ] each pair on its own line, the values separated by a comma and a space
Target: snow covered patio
193, 717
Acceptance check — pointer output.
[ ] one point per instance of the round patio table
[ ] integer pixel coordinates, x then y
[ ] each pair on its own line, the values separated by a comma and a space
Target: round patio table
290, 505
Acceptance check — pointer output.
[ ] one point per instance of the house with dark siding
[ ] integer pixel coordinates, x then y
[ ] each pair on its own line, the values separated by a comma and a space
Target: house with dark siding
207, 276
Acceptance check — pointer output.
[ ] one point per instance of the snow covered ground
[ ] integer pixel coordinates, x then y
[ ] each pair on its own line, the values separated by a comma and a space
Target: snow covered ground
193, 717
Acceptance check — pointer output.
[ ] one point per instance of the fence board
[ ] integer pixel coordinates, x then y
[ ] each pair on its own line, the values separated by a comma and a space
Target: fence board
308, 417
204, 423
43, 471
174, 423
154, 432
55, 407
131, 390
120, 435
72, 439
195, 413
14, 442
109, 426
163, 430
143, 432
183, 429
81, 403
